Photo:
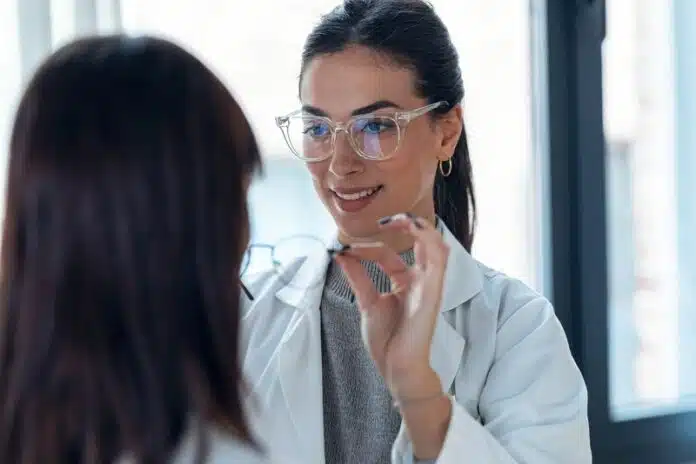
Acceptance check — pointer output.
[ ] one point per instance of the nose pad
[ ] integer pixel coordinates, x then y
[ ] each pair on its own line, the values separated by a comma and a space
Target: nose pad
345, 160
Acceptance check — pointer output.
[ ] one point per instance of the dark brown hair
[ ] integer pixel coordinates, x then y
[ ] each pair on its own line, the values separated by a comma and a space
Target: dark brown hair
125, 224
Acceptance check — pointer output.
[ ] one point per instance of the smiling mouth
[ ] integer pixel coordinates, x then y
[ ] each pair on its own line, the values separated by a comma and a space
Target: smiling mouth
358, 195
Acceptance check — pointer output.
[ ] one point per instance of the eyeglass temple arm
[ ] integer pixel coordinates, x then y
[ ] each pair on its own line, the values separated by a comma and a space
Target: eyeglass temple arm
409, 115
246, 291
254, 245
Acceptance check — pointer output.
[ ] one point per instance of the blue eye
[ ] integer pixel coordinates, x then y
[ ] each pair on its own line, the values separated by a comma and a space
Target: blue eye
374, 126
316, 129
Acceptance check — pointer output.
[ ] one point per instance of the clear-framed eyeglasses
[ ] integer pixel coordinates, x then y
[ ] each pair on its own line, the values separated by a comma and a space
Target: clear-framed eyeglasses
374, 137
287, 256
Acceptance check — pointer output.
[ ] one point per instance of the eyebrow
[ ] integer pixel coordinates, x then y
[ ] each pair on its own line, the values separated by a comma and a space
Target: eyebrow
372, 107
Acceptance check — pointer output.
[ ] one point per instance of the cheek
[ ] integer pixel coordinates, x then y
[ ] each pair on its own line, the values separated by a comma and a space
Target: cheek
411, 173
318, 172
413, 163
406, 179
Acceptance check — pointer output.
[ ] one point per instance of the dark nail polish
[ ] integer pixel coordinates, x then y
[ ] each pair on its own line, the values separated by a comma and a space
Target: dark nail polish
385, 220
340, 250
415, 220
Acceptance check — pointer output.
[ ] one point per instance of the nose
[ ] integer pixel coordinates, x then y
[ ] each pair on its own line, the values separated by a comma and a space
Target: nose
345, 161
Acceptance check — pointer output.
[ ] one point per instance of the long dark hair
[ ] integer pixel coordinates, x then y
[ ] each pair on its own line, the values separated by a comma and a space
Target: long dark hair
125, 223
411, 33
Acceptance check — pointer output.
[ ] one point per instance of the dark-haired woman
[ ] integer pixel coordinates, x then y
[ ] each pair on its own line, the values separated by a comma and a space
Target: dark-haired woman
124, 232
402, 346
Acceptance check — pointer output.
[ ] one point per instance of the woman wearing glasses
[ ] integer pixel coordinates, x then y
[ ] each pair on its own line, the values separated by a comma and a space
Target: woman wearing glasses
124, 228
462, 364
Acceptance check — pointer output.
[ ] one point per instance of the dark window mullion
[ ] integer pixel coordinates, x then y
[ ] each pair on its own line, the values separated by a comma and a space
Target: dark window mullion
575, 31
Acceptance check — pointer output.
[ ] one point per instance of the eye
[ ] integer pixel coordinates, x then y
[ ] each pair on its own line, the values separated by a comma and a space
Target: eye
316, 129
375, 125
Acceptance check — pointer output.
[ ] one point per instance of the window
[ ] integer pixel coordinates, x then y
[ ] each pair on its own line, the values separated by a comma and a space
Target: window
622, 104
493, 39
11, 76
650, 104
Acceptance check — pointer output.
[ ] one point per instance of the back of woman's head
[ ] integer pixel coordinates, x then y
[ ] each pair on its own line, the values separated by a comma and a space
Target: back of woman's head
410, 33
125, 223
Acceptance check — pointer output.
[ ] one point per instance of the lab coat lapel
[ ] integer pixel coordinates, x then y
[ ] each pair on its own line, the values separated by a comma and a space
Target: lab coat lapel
299, 364
463, 281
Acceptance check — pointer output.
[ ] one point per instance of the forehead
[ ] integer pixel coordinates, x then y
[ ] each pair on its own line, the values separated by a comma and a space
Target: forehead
339, 83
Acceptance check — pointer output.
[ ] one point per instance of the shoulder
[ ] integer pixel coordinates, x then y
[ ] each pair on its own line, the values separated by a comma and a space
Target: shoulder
504, 297
523, 328
511, 313
489, 297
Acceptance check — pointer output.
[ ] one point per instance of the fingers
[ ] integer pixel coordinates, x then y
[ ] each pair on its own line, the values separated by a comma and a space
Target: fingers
430, 252
386, 258
429, 247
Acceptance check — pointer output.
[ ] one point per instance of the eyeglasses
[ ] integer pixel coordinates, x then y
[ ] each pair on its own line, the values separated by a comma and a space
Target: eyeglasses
374, 137
286, 258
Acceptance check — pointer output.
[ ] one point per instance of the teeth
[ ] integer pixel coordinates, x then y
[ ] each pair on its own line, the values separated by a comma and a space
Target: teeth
357, 195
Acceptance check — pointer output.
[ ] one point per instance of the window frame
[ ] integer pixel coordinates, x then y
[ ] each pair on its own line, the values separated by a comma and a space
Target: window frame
576, 29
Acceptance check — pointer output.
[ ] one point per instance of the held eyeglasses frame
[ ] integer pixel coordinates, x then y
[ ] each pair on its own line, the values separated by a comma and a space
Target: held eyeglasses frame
400, 119
278, 265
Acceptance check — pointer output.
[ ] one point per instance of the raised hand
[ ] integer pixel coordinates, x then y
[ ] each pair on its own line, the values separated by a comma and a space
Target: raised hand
398, 326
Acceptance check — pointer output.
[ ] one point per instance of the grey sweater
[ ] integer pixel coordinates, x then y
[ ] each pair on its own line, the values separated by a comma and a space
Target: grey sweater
360, 423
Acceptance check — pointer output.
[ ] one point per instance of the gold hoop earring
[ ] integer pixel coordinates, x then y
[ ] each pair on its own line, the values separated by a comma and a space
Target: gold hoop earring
447, 172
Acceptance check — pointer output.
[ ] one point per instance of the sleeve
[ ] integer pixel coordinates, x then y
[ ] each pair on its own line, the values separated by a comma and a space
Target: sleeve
534, 403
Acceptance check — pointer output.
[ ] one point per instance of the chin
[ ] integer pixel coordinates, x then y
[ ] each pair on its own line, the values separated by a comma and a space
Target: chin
357, 227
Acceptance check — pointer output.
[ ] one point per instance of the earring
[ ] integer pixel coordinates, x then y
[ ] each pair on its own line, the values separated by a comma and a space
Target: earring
446, 172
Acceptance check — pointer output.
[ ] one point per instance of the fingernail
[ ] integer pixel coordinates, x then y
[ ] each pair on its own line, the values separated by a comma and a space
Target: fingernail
339, 251
385, 220
415, 220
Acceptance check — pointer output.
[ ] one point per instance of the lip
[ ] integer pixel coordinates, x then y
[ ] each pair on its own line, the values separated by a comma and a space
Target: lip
353, 205
350, 190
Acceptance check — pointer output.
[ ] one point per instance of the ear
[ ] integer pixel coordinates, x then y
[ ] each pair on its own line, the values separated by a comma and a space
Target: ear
450, 126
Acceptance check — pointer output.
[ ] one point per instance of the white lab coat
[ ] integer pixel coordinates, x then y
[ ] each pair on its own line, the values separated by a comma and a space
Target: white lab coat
223, 447
518, 396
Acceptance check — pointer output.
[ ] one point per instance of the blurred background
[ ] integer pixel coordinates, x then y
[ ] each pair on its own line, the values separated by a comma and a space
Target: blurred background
582, 124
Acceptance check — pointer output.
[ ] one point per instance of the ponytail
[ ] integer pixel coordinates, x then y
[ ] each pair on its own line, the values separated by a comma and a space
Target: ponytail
454, 195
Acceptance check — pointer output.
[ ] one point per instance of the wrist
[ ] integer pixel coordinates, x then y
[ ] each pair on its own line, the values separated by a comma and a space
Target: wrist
416, 385
420, 401
427, 425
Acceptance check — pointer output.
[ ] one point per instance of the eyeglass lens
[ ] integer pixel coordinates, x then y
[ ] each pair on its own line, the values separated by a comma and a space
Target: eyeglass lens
374, 137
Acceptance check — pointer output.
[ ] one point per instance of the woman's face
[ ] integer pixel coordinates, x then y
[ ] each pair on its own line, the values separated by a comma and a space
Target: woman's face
358, 80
